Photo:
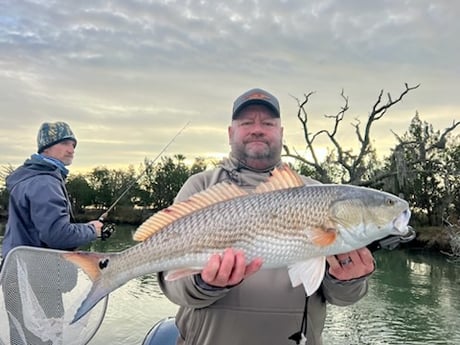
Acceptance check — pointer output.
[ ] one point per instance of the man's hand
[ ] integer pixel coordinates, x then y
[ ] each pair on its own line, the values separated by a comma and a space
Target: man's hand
352, 265
229, 269
97, 226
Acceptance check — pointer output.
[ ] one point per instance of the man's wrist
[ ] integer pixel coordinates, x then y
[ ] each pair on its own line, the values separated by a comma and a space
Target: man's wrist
205, 286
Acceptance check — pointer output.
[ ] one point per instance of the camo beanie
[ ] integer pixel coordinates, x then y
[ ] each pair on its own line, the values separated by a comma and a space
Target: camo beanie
51, 133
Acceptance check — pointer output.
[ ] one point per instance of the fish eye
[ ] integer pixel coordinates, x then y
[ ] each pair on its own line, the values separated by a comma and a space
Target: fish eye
390, 202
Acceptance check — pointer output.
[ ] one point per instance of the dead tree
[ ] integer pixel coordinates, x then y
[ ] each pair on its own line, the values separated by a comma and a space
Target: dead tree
354, 166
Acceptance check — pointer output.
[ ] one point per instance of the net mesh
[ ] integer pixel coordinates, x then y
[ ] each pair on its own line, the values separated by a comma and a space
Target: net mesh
40, 293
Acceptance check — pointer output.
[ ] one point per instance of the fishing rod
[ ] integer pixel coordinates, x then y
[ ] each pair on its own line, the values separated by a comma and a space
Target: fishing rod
108, 228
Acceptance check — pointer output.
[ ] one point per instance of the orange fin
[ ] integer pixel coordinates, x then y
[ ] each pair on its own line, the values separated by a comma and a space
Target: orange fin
282, 177
90, 263
220, 192
324, 235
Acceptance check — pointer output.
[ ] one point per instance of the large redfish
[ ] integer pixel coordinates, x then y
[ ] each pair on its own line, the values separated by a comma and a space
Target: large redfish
284, 222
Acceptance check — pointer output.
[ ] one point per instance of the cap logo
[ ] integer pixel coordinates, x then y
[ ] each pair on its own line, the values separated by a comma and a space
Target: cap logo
257, 95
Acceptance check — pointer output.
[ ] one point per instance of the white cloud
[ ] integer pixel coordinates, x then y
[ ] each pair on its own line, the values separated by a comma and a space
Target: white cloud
127, 74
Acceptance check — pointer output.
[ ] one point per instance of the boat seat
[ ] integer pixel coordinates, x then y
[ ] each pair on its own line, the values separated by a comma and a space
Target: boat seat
164, 332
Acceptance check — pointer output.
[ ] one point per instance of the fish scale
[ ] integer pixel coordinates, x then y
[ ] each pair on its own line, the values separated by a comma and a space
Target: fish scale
294, 227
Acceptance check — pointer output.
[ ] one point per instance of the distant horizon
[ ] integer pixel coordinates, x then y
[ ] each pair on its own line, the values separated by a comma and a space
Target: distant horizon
322, 151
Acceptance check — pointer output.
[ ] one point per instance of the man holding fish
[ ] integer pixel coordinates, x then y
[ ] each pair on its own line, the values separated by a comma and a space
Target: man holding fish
227, 303
253, 213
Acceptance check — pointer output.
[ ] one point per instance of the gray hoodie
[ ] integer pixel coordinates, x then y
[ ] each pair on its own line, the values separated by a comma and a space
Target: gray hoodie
264, 309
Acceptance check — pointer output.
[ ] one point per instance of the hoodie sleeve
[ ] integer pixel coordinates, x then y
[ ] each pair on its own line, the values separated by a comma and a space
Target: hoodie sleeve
50, 216
343, 293
187, 292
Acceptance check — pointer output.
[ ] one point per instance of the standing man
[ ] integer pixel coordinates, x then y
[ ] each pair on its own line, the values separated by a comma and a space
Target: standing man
40, 215
226, 303
39, 211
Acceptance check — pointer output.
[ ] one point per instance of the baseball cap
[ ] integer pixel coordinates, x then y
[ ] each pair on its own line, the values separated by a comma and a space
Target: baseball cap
256, 96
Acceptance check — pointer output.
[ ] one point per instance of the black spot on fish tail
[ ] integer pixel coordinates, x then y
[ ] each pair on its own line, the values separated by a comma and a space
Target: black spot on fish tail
103, 264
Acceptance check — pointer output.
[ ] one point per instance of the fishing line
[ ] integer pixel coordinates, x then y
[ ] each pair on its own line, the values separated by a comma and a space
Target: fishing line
108, 229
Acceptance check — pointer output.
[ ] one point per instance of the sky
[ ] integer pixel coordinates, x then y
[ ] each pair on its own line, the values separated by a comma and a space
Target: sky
127, 76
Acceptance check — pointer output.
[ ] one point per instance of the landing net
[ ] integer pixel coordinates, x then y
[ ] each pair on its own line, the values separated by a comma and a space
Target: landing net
39, 295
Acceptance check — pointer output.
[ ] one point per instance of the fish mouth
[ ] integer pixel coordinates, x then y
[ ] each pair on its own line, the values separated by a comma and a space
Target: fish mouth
400, 224
409, 236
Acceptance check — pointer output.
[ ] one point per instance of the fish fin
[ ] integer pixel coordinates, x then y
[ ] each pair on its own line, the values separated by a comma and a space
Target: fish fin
220, 192
91, 263
282, 177
181, 273
324, 235
310, 273
98, 292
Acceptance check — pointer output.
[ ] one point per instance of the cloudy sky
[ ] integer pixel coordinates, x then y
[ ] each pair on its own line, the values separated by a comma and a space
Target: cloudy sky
128, 75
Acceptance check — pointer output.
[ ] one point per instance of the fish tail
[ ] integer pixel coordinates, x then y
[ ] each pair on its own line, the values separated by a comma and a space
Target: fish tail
97, 293
93, 264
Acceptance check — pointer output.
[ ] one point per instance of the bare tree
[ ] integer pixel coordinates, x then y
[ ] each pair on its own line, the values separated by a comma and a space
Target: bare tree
353, 167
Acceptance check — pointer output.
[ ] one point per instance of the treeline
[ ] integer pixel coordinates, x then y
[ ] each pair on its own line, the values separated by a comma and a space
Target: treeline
151, 188
423, 168
137, 194
141, 191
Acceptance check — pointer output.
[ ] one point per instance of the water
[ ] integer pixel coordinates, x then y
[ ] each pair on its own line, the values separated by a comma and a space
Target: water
413, 299
135, 307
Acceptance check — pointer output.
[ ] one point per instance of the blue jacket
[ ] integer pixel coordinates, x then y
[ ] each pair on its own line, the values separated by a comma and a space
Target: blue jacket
39, 210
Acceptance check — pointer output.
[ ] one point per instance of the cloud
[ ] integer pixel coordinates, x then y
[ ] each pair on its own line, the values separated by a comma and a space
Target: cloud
128, 74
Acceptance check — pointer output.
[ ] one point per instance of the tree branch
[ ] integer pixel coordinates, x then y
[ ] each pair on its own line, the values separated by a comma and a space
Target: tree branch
354, 165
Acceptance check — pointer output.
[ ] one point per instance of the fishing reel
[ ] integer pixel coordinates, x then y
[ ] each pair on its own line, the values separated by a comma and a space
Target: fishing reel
393, 241
107, 230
